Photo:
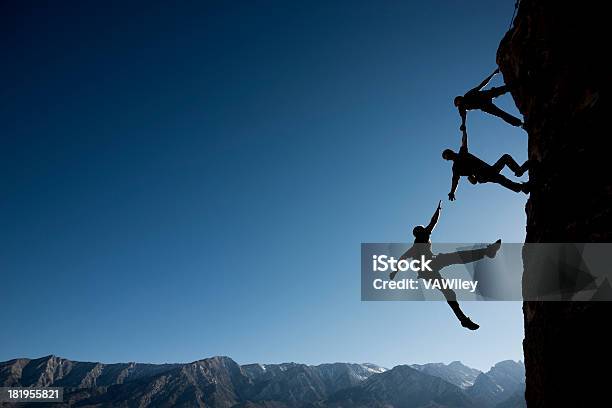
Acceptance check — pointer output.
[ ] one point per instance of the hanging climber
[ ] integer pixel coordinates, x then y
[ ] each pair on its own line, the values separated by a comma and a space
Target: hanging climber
476, 98
422, 246
477, 171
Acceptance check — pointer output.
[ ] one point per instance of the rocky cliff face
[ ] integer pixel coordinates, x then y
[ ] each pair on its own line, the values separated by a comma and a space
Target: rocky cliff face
556, 60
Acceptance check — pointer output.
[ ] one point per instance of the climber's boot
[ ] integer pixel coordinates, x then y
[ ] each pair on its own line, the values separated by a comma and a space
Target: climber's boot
526, 187
492, 249
523, 169
468, 324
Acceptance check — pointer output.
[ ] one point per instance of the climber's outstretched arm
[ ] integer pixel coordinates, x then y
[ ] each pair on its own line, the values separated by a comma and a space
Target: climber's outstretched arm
434, 218
485, 82
462, 113
455, 183
464, 142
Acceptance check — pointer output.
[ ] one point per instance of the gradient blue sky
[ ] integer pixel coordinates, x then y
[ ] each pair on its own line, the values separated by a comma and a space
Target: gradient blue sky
184, 180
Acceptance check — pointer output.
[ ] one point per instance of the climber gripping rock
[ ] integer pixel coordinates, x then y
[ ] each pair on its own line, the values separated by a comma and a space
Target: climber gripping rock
476, 98
477, 171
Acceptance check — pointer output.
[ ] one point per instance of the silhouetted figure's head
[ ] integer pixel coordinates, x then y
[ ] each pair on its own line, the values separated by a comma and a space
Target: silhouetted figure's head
458, 101
448, 154
419, 232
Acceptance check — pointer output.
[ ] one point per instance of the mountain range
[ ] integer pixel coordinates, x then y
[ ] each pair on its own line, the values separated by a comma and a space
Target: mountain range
222, 383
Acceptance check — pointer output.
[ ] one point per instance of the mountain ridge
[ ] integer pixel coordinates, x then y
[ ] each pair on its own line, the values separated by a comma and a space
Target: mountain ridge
221, 382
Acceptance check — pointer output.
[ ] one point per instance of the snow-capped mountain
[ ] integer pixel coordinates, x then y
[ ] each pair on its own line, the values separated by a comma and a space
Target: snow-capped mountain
221, 382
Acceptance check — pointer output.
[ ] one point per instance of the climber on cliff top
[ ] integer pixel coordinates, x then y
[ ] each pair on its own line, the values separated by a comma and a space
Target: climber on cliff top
476, 98
422, 246
477, 171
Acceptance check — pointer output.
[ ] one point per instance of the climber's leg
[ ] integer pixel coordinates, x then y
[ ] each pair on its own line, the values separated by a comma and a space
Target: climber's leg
510, 185
494, 92
456, 258
454, 305
451, 299
524, 167
495, 111
463, 257
507, 160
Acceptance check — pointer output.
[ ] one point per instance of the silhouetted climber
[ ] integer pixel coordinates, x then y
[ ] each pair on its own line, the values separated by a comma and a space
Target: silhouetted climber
477, 171
422, 246
422, 236
476, 98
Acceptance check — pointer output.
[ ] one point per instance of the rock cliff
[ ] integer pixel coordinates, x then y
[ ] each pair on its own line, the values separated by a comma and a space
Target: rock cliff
555, 58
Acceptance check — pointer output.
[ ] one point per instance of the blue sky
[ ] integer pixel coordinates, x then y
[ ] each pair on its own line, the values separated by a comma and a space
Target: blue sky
181, 181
